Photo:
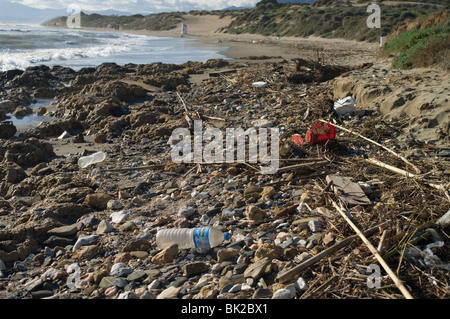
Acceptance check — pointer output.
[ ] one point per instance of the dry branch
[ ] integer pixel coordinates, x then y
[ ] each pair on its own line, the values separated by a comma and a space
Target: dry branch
378, 144
288, 275
375, 252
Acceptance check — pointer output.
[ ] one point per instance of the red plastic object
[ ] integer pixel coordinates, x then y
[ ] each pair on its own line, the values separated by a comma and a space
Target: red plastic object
319, 134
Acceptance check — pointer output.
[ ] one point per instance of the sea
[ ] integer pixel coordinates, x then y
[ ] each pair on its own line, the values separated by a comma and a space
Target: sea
22, 46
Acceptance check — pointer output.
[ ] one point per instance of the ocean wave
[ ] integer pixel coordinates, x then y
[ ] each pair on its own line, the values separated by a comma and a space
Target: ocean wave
83, 48
25, 58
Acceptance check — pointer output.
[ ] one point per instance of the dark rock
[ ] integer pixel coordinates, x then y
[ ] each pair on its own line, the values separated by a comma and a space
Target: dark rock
7, 129
54, 241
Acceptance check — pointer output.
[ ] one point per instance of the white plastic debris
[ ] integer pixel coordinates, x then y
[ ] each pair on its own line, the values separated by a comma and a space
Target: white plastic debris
345, 105
444, 220
64, 135
85, 161
260, 84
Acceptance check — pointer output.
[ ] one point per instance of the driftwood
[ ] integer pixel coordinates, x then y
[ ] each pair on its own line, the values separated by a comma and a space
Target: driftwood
288, 275
375, 252
138, 168
377, 144
303, 165
186, 113
394, 169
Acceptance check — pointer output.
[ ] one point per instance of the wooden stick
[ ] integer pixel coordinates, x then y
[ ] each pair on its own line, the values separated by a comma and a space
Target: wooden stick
394, 169
380, 247
296, 166
390, 167
288, 275
138, 168
378, 144
186, 113
374, 251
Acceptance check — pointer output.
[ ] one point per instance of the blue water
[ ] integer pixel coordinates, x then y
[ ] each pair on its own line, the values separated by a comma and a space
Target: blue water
22, 46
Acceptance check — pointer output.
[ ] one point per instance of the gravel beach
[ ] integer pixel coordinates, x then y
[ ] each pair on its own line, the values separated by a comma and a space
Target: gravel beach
68, 232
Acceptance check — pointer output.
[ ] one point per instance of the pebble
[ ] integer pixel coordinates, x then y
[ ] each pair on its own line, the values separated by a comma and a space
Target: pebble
284, 293
119, 217
169, 293
194, 268
114, 205
104, 227
64, 231
300, 284
86, 240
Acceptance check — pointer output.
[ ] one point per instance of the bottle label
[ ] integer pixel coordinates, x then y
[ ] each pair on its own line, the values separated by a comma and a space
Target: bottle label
201, 237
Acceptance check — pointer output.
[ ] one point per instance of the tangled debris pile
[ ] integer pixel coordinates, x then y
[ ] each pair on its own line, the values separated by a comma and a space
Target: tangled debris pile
71, 232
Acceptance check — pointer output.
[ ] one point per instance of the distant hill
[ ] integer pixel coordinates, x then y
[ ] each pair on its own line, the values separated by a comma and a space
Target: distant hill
300, 19
19, 13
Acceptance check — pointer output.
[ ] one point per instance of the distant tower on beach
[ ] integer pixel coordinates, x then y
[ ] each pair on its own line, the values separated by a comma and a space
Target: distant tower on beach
183, 29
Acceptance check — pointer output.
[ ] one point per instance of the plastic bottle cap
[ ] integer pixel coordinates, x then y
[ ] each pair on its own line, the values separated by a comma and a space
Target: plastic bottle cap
226, 236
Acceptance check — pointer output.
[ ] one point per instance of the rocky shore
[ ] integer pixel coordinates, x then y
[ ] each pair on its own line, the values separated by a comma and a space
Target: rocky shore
59, 221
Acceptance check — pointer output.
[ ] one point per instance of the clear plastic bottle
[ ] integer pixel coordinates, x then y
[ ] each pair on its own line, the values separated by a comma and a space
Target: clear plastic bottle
185, 238
85, 161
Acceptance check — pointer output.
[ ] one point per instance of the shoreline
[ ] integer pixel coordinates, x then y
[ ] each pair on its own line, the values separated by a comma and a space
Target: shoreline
241, 47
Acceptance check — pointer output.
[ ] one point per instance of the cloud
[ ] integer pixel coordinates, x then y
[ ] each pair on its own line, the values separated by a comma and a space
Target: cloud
139, 6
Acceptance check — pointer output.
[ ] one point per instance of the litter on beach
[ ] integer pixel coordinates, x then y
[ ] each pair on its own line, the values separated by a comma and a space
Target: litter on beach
345, 106
319, 134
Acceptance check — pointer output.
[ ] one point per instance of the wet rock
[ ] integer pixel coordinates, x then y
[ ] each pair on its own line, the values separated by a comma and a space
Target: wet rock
7, 129
30, 151
55, 128
7, 106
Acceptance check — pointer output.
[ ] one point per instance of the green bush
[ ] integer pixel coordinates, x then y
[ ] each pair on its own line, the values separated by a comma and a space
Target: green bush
419, 48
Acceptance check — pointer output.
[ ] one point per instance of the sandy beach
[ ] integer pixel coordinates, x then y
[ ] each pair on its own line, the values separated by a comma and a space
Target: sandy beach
205, 29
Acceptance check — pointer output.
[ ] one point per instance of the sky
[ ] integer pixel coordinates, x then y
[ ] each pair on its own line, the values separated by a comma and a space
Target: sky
139, 6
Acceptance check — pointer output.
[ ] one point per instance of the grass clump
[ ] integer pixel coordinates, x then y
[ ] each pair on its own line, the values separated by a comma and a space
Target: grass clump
420, 48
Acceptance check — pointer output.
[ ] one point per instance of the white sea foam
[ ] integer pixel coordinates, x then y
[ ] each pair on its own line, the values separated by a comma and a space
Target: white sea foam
24, 46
